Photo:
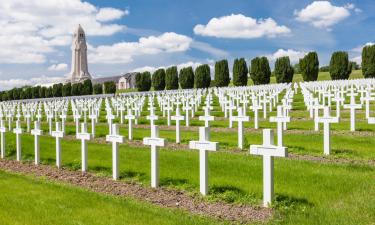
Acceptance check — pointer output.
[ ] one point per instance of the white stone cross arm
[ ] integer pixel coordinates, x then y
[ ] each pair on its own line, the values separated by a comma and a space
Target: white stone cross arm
203, 145
268, 150
154, 140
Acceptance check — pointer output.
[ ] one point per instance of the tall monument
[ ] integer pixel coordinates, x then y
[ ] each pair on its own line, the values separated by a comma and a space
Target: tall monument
80, 70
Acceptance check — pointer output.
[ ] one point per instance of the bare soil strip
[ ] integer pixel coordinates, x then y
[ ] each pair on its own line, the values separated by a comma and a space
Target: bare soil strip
162, 197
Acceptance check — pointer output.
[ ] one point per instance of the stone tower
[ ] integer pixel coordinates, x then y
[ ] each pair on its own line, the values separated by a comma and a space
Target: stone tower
80, 70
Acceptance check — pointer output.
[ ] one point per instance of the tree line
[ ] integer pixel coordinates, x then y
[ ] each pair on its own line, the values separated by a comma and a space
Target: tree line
259, 72
58, 90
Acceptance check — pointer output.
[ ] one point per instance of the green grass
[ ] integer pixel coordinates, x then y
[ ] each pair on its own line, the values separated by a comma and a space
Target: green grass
307, 192
27, 200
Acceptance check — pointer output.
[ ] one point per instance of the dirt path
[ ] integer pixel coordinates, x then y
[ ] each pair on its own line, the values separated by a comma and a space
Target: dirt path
163, 197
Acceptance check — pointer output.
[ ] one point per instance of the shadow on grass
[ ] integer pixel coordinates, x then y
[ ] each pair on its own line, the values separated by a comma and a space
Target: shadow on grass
133, 175
173, 182
287, 203
231, 194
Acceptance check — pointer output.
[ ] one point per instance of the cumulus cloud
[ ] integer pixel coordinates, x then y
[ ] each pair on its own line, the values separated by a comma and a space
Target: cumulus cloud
124, 52
359, 48
322, 14
58, 67
240, 26
194, 65
32, 28
35, 81
294, 55
109, 14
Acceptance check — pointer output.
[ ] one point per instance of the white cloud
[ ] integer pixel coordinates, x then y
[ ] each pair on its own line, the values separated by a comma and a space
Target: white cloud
357, 59
322, 14
359, 48
124, 52
194, 65
32, 28
11, 83
109, 14
240, 26
58, 67
205, 47
294, 55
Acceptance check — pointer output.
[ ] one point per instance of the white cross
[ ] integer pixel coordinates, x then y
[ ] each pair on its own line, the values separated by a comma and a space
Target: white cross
178, 117
130, 117
18, 132
93, 118
84, 136
28, 117
3, 129
268, 150
280, 119
367, 100
327, 120
203, 145
115, 138
152, 117
241, 118
154, 141
63, 118
169, 109
36, 132
58, 134
256, 107
109, 118
206, 118
49, 118
187, 107
352, 106
231, 107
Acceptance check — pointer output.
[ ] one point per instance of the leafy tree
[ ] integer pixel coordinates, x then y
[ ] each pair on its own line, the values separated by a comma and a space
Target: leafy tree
143, 81
283, 70
310, 66
202, 77
109, 87
324, 69
222, 73
49, 92
240, 72
57, 90
296, 68
98, 89
339, 66
187, 78
35, 92
67, 89
158, 80
368, 61
42, 92
260, 71
171, 78
75, 89
354, 65
87, 87
28, 93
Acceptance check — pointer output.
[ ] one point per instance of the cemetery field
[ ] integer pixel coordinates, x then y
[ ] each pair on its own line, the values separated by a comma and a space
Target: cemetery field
344, 193
310, 188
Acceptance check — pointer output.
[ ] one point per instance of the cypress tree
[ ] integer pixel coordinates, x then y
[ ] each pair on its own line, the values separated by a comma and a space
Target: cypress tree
67, 89
240, 72
186, 78
158, 80
202, 77
368, 61
87, 87
143, 81
260, 71
339, 66
222, 73
171, 78
309, 66
283, 70
98, 89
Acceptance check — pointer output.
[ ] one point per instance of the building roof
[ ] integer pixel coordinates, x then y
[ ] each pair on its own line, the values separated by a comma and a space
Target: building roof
115, 79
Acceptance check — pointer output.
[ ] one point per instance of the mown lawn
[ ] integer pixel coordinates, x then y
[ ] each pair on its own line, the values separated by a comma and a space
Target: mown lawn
27, 200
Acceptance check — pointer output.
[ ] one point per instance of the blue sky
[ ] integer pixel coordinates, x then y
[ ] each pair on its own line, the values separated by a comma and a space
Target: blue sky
138, 35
